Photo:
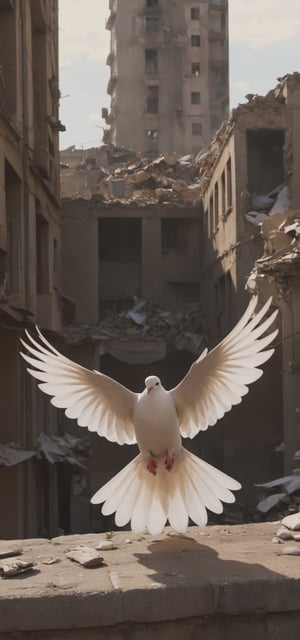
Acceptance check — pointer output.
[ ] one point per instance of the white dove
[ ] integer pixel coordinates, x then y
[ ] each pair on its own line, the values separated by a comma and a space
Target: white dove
165, 481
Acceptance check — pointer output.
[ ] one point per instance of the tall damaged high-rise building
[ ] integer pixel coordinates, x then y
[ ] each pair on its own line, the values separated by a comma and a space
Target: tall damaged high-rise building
168, 83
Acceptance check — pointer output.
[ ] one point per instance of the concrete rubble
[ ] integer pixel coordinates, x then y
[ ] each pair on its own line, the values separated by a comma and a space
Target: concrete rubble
145, 324
281, 235
136, 179
66, 448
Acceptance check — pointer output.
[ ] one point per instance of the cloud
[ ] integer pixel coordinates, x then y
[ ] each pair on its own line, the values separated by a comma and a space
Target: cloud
261, 23
82, 30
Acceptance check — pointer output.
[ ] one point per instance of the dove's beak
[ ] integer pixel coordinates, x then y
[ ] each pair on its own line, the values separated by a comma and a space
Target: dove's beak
149, 389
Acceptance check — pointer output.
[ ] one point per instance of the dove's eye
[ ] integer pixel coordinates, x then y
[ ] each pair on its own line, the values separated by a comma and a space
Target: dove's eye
156, 384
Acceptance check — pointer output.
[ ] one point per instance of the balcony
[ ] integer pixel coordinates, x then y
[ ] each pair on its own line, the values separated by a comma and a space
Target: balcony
110, 21
110, 58
111, 84
216, 35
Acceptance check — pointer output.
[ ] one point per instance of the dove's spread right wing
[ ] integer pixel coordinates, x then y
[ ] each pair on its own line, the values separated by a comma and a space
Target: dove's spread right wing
95, 400
218, 379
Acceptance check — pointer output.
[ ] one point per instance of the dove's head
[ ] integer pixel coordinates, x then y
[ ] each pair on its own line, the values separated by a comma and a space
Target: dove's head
152, 383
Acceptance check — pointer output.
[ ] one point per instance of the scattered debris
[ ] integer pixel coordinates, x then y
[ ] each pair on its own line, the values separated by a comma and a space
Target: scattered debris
65, 448
105, 545
284, 534
292, 522
129, 177
149, 330
11, 455
291, 550
277, 201
289, 485
50, 561
15, 567
86, 556
281, 234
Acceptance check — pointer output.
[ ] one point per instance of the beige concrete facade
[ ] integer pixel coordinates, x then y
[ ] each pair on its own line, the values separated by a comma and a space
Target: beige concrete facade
169, 74
256, 152
30, 249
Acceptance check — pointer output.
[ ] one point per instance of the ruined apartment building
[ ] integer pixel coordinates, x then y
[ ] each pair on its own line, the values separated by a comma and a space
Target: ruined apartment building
250, 173
30, 246
169, 74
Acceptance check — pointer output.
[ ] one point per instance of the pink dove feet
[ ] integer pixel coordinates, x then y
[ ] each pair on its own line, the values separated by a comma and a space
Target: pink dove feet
169, 461
152, 465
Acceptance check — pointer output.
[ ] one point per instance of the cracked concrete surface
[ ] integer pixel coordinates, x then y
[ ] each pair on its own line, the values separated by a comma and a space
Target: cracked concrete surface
217, 573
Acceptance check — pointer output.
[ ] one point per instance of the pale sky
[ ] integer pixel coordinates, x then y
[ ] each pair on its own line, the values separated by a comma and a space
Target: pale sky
264, 43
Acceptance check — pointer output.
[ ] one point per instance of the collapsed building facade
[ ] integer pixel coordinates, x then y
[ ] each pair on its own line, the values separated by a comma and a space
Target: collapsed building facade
169, 81
250, 177
30, 256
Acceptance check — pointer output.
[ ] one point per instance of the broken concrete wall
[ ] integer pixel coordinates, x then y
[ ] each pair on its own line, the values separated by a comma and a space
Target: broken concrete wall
164, 246
257, 141
277, 273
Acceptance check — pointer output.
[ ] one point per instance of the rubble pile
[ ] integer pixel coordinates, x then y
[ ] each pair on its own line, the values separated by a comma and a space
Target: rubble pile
274, 99
281, 235
178, 329
167, 179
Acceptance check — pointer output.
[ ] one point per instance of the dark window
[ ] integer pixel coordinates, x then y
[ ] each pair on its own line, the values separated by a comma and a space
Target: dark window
42, 254
223, 193
195, 13
229, 183
151, 66
211, 216
152, 95
152, 24
265, 159
195, 97
195, 68
195, 41
196, 128
223, 21
56, 274
120, 240
224, 306
151, 3
216, 206
174, 236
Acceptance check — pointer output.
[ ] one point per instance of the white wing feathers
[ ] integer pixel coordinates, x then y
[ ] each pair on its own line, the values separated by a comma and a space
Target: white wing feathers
218, 379
95, 400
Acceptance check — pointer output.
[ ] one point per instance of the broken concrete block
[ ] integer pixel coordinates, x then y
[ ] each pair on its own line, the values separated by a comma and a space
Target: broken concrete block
86, 556
291, 550
14, 567
292, 522
105, 545
284, 534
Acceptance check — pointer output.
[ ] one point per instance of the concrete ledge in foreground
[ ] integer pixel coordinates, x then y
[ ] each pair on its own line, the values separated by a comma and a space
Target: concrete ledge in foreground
219, 583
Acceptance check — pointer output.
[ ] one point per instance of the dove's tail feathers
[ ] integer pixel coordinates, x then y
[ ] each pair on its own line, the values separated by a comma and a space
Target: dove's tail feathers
147, 501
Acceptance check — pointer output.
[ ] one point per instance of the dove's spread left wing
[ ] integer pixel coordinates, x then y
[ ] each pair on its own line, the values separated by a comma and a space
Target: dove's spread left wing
95, 400
218, 379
